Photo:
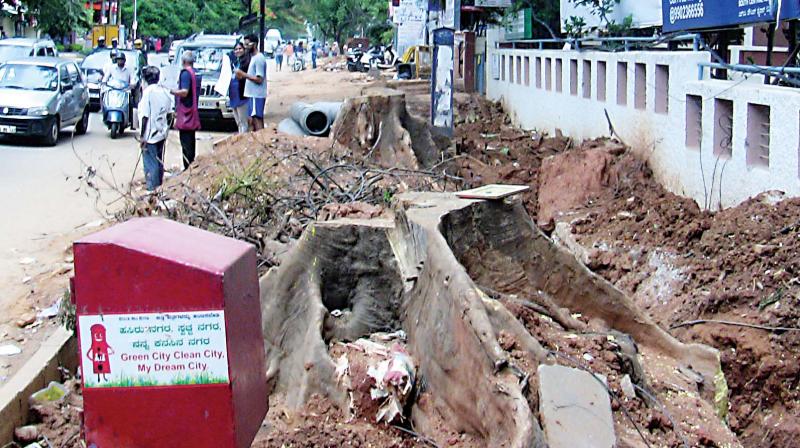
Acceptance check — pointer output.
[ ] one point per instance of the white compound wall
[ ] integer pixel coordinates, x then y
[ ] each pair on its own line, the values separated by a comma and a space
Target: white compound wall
717, 142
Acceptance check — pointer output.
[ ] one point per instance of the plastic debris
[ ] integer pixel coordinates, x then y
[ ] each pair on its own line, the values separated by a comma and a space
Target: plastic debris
50, 311
394, 379
9, 350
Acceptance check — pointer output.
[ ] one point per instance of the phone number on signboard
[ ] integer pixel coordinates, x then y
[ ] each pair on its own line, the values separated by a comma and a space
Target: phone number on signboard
686, 11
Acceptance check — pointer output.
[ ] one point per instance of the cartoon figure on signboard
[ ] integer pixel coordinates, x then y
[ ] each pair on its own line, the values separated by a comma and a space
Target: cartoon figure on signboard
99, 351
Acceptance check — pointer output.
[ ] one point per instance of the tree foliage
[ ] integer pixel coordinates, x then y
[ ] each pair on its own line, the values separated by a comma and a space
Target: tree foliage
339, 19
59, 17
184, 17
335, 19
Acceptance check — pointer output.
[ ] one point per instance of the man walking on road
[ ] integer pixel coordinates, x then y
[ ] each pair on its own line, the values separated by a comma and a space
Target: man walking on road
314, 48
255, 87
156, 103
187, 114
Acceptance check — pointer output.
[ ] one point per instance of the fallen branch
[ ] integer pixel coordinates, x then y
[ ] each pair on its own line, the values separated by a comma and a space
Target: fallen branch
611, 129
736, 324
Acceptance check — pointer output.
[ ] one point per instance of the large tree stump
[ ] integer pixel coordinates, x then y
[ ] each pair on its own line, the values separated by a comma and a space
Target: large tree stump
422, 273
379, 126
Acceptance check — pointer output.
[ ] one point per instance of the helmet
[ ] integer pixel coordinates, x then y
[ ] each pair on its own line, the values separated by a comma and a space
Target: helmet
137, 44
118, 55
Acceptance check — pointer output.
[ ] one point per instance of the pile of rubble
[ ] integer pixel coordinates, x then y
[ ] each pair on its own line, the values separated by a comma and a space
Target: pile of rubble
688, 268
266, 187
56, 413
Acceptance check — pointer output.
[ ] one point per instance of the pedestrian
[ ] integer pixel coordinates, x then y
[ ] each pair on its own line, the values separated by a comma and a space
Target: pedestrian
255, 86
101, 42
240, 60
335, 48
158, 45
314, 53
279, 56
154, 107
288, 53
187, 114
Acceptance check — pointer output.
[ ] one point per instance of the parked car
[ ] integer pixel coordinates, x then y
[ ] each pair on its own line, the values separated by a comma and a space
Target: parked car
209, 50
40, 96
19, 47
93, 65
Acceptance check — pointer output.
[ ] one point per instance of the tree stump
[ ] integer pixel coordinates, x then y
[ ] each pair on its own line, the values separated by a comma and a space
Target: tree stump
379, 126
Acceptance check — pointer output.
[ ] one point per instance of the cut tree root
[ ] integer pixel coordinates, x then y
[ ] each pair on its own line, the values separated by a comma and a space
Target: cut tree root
420, 273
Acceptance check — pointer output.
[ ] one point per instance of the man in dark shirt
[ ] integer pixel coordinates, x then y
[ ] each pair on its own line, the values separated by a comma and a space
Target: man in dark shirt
187, 114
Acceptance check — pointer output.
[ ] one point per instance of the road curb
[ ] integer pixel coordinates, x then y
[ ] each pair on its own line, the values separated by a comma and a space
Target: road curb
59, 349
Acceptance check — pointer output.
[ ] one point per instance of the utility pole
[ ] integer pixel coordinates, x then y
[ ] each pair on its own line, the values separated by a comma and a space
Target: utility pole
261, 24
135, 24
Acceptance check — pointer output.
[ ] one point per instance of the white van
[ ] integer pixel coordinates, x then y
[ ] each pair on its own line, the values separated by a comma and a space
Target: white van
271, 41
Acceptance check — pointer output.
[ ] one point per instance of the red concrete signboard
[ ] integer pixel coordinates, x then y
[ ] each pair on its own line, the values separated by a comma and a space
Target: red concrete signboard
169, 327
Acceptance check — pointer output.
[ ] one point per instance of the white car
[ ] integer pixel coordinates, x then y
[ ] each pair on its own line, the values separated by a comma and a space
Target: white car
272, 41
173, 48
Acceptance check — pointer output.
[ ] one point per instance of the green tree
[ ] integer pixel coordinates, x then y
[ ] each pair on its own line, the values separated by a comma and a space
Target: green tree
60, 17
184, 17
339, 19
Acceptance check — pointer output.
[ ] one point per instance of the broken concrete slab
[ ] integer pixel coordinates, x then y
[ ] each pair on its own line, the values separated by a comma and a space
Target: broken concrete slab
574, 408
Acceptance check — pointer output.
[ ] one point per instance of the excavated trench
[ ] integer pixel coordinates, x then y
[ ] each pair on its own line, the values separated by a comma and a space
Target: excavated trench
435, 272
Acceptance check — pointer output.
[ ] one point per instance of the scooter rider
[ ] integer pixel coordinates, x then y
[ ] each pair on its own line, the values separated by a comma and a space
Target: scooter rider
119, 72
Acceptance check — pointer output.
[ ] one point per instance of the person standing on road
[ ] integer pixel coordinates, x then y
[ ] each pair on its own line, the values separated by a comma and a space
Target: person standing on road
240, 60
314, 48
288, 53
279, 56
187, 114
255, 86
154, 107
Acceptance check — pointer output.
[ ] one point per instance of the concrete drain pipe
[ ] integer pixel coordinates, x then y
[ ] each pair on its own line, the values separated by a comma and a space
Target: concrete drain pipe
310, 119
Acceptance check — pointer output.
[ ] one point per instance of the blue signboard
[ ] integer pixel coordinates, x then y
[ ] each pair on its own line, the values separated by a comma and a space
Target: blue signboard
680, 15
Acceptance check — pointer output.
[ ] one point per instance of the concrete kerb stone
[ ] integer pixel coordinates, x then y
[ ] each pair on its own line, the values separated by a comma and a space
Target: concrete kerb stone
57, 350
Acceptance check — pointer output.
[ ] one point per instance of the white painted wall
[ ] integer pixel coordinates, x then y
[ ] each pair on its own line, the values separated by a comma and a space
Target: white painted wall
659, 137
646, 13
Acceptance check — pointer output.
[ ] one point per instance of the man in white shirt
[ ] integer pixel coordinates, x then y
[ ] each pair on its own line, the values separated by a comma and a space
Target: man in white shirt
117, 71
154, 108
